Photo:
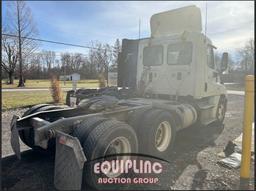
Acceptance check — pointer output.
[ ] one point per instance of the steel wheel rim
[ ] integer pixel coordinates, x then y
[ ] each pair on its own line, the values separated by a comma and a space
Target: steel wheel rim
120, 145
163, 136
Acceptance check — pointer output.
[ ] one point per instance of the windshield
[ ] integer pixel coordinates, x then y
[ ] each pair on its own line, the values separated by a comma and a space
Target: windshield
153, 55
179, 53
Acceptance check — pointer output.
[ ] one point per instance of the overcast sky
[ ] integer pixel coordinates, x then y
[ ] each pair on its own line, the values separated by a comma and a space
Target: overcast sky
230, 24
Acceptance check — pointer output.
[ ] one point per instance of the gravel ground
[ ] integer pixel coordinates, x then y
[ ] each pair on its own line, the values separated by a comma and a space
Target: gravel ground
194, 160
6, 133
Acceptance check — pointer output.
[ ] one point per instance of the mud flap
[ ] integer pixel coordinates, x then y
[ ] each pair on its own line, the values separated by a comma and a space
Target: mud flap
15, 143
69, 162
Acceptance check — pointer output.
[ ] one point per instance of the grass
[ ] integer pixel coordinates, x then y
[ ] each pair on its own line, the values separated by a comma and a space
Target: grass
46, 84
12, 100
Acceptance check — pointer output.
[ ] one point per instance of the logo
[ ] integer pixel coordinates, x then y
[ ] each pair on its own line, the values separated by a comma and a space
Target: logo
134, 170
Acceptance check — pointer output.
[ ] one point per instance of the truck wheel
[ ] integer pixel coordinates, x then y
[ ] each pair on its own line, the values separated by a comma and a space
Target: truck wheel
221, 109
157, 134
83, 129
134, 119
108, 138
27, 135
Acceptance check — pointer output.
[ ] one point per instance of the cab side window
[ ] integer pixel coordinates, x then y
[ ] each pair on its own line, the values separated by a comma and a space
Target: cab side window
210, 57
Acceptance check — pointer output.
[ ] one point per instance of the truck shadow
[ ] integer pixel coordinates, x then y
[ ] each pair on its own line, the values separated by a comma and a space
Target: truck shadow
35, 170
189, 143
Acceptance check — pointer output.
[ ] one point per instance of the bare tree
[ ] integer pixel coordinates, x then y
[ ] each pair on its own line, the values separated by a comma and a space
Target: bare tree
85, 69
48, 57
65, 62
20, 23
72, 62
9, 56
107, 57
101, 56
247, 56
35, 66
116, 51
77, 62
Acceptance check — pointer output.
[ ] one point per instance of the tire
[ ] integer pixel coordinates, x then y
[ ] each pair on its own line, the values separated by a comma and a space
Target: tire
97, 145
134, 119
83, 129
221, 109
27, 135
157, 134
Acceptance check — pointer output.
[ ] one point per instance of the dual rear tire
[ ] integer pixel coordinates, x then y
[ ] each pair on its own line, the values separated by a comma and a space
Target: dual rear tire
104, 139
156, 133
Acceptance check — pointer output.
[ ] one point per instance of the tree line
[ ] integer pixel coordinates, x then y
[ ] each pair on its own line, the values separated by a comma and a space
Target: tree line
22, 59
43, 64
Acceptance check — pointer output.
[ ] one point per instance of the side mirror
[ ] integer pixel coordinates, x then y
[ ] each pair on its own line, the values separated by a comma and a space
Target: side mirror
224, 62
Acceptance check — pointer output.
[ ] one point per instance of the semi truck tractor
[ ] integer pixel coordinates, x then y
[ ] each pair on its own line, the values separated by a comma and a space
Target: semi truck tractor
166, 82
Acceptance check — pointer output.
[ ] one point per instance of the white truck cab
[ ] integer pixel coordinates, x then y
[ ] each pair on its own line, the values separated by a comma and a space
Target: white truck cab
176, 61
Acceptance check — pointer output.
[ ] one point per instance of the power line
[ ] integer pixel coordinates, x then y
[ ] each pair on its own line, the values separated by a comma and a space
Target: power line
54, 42
59, 53
232, 29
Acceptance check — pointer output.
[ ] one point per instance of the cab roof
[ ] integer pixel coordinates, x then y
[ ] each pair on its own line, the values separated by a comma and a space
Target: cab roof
176, 21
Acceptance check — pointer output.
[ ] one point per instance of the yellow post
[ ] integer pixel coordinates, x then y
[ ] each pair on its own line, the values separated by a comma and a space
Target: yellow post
247, 133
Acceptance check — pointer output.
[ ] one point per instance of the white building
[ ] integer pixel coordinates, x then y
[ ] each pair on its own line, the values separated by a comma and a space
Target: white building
71, 77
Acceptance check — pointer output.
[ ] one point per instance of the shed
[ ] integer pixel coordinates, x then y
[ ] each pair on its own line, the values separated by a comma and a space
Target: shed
75, 77
71, 77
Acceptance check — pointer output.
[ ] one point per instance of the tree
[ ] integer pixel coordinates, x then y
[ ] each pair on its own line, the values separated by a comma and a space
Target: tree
247, 56
85, 69
65, 62
35, 69
101, 56
48, 57
77, 60
116, 51
72, 62
9, 56
20, 23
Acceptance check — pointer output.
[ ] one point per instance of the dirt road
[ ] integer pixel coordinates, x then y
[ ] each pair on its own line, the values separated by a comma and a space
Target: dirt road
194, 160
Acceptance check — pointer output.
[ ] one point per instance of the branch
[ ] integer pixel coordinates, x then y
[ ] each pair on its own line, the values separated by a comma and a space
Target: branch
5, 66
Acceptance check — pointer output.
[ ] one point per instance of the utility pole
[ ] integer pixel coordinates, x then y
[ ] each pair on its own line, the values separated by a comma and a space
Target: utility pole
21, 81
